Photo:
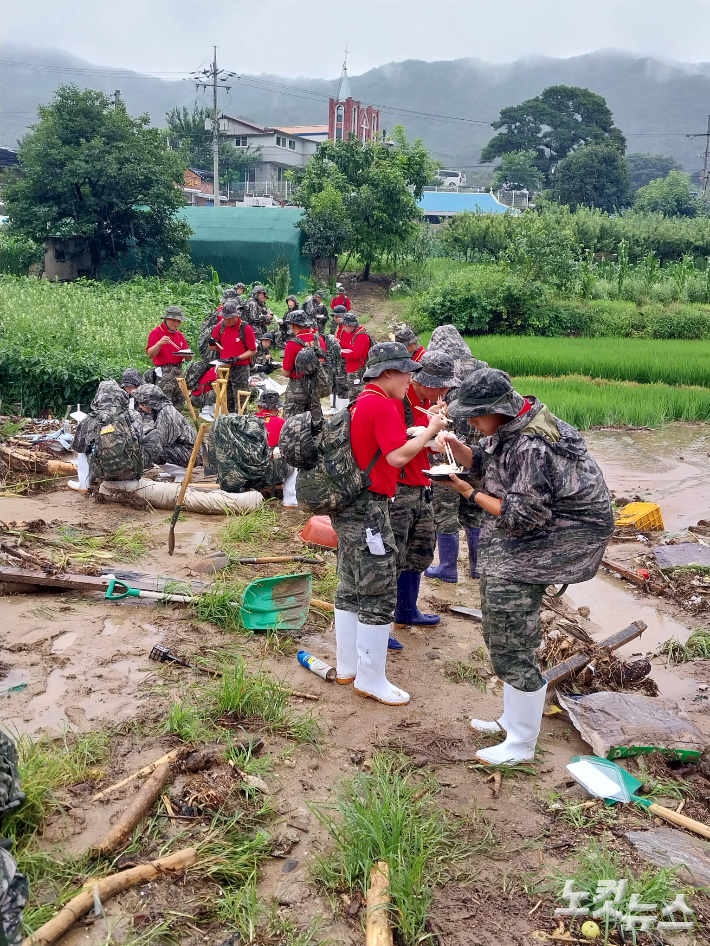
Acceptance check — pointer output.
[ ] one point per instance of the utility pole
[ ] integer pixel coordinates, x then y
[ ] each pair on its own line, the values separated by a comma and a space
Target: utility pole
218, 78
116, 98
704, 178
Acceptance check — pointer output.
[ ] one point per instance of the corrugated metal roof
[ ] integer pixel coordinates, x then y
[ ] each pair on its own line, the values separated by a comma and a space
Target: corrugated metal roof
442, 202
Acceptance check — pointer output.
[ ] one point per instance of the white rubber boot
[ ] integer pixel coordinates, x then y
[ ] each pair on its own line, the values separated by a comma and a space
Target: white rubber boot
372, 640
523, 714
341, 403
290, 490
496, 725
345, 646
81, 483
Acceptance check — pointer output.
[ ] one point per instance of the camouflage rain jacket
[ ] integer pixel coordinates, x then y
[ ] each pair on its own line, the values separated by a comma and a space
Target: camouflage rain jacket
556, 515
175, 434
256, 314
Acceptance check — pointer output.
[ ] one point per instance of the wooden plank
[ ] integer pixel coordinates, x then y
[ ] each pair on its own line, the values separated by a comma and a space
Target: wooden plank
467, 612
72, 582
569, 667
644, 583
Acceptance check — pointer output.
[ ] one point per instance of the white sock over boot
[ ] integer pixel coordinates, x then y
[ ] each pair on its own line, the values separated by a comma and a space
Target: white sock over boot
345, 645
341, 403
496, 725
81, 483
372, 640
523, 715
290, 489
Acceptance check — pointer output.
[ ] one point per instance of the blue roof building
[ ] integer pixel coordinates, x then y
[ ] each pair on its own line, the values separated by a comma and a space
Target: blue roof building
446, 204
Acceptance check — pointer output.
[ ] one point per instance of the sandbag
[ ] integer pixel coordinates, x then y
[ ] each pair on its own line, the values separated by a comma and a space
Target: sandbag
214, 502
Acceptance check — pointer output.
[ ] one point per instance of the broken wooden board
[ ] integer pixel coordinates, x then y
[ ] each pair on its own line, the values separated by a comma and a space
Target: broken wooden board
71, 582
569, 667
668, 848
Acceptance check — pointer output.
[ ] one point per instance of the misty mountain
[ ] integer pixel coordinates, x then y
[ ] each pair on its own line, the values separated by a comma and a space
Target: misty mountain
449, 104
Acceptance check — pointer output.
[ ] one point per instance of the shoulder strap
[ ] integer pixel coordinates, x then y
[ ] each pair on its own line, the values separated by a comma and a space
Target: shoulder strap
408, 411
371, 465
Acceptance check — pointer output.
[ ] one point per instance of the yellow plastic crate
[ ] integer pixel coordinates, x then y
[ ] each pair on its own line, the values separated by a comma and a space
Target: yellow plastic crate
646, 517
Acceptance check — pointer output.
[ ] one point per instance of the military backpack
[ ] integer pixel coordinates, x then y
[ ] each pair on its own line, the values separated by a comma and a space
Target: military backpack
329, 479
240, 450
310, 362
117, 450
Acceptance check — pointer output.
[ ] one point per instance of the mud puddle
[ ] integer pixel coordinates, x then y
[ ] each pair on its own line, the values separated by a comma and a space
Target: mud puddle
613, 608
668, 466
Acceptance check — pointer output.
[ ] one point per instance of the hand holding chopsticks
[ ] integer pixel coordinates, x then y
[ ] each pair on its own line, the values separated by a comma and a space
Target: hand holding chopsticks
432, 413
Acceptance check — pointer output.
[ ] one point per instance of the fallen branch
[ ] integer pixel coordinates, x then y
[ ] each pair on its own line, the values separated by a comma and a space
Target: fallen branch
378, 931
141, 804
107, 888
24, 556
146, 770
636, 579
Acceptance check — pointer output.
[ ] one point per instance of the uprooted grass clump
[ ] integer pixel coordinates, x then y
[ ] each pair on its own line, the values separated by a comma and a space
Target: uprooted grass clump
69, 544
260, 523
697, 646
475, 670
390, 813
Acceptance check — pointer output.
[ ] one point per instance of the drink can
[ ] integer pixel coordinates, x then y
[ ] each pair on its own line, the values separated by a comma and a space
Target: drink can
316, 665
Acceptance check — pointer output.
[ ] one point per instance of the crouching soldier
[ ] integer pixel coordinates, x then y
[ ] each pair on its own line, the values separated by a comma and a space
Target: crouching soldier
367, 550
175, 434
549, 520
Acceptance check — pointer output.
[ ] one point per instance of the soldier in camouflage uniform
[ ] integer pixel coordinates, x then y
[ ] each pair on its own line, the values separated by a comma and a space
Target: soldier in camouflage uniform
239, 291
161, 348
256, 312
367, 550
549, 520
450, 512
109, 401
334, 366
175, 434
411, 515
131, 380
339, 391
302, 390
314, 306
14, 890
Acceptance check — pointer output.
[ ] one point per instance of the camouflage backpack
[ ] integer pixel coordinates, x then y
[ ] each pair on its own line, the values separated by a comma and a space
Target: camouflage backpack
205, 335
11, 795
240, 450
334, 480
310, 362
194, 372
117, 451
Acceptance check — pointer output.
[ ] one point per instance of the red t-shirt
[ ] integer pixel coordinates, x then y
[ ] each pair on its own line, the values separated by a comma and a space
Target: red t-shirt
418, 354
273, 424
340, 300
166, 355
339, 332
205, 383
231, 341
377, 421
358, 342
412, 474
292, 349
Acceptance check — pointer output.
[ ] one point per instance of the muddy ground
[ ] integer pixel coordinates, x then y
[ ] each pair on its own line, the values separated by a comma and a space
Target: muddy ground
85, 663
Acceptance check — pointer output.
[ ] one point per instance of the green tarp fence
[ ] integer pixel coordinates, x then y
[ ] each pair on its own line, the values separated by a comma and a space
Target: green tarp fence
245, 243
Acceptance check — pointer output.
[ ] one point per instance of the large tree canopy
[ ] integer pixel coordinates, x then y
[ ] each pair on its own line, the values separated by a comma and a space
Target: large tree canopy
378, 186
645, 168
593, 176
88, 169
553, 124
667, 195
186, 131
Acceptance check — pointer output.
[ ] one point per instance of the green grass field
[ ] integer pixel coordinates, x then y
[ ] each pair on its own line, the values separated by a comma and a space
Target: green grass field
619, 359
585, 403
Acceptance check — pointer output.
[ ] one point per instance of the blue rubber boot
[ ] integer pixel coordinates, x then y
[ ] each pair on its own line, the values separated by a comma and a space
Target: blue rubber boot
447, 569
407, 612
394, 644
472, 537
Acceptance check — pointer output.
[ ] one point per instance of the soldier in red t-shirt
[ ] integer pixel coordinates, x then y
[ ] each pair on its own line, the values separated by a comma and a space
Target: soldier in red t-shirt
235, 343
302, 390
355, 345
163, 344
410, 340
367, 550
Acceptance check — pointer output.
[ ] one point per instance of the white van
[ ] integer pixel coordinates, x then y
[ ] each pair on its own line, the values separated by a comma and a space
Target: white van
451, 178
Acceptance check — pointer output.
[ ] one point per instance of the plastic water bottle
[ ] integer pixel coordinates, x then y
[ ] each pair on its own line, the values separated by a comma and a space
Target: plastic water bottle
316, 665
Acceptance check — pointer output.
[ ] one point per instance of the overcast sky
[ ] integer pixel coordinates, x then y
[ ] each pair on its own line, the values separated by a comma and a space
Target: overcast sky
307, 37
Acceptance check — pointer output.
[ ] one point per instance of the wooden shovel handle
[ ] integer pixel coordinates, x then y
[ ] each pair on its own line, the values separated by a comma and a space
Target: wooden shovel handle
681, 820
191, 464
182, 383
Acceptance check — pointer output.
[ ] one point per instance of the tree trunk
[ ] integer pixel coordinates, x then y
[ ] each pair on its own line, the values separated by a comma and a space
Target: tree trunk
366, 274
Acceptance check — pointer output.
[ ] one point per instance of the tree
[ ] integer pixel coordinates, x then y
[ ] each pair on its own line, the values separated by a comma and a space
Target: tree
325, 225
670, 196
90, 170
518, 171
593, 176
552, 125
187, 132
645, 168
378, 185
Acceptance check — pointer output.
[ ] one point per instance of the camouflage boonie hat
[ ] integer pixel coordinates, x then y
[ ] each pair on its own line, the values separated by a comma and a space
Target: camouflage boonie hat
174, 312
256, 290
132, 378
297, 317
487, 391
231, 308
268, 337
436, 370
270, 400
240, 285
406, 336
386, 355
350, 319
229, 294
339, 310
319, 293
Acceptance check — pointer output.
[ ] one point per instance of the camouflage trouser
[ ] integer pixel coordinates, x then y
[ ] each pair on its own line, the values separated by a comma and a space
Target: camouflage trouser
367, 583
14, 892
177, 453
512, 631
151, 448
238, 381
339, 380
301, 396
203, 400
412, 520
446, 509
471, 515
169, 386
355, 383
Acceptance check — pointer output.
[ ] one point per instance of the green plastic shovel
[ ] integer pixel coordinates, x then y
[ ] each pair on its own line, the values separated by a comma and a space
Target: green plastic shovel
279, 603
605, 779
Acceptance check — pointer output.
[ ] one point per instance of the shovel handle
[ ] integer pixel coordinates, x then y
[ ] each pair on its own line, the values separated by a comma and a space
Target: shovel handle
681, 820
190, 465
323, 605
113, 595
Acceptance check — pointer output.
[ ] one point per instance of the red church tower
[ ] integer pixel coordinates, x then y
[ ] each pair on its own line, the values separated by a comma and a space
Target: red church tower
348, 117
